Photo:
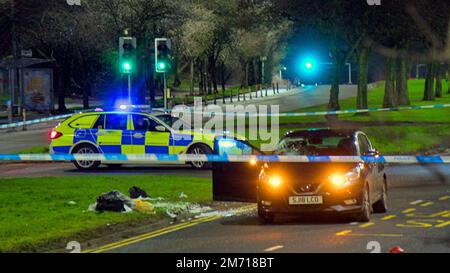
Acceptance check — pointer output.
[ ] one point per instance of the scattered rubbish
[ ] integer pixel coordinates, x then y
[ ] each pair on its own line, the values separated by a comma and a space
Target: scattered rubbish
136, 192
183, 195
71, 203
141, 202
143, 206
114, 201
171, 214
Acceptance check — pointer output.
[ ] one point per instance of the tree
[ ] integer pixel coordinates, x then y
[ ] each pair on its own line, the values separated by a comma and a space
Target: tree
429, 82
438, 90
390, 98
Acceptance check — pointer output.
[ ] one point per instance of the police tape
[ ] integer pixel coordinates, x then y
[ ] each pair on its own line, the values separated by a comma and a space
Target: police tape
321, 113
148, 158
34, 121
209, 113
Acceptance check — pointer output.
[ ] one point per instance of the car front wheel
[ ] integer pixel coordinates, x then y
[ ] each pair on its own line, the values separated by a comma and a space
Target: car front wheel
381, 205
265, 217
364, 214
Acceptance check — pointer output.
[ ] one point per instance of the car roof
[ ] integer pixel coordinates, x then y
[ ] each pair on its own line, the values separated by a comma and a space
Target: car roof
321, 133
155, 113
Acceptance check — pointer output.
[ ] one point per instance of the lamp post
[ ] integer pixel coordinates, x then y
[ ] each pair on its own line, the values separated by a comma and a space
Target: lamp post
262, 59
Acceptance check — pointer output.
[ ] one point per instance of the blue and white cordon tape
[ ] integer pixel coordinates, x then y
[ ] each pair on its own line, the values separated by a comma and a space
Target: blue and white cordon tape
34, 121
292, 114
322, 113
148, 158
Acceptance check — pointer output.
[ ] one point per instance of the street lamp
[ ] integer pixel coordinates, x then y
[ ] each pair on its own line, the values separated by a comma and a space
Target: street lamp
262, 59
283, 68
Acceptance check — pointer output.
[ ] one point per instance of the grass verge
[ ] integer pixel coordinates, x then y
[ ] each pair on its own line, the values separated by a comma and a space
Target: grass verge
35, 212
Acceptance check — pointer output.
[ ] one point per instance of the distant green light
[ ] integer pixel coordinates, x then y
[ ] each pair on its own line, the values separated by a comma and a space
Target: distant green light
127, 66
161, 65
308, 65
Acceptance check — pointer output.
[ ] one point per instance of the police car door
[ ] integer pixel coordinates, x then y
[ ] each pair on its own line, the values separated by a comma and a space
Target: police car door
149, 136
115, 134
235, 181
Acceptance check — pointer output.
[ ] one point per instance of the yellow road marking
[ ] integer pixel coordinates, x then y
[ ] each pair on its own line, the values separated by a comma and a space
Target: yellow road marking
344, 232
408, 210
367, 225
374, 235
444, 213
427, 204
274, 248
388, 217
151, 234
443, 198
446, 223
163, 231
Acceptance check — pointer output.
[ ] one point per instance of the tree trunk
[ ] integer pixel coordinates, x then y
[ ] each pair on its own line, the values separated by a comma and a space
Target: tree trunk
389, 88
61, 90
222, 79
86, 93
438, 90
176, 76
402, 73
447, 73
246, 75
363, 67
191, 78
333, 103
428, 93
256, 71
200, 78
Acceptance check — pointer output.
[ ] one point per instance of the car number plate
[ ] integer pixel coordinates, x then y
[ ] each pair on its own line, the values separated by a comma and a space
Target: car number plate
305, 200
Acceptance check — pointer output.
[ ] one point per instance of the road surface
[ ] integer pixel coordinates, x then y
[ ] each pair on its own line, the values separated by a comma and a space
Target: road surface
14, 142
418, 220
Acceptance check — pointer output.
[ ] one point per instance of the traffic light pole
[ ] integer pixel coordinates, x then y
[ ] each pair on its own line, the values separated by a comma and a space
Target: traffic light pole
165, 91
129, 88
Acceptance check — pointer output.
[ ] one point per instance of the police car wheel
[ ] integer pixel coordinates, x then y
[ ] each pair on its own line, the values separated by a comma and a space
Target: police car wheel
86, 164
200, 150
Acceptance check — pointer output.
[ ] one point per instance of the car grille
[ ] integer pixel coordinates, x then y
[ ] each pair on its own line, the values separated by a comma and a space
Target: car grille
305, 187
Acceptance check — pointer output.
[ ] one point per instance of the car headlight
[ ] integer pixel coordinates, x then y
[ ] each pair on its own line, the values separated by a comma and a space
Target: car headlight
275, 181
343, 180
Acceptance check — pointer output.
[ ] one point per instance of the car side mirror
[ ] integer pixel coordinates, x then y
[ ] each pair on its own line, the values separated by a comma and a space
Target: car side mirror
373, 152
160, 128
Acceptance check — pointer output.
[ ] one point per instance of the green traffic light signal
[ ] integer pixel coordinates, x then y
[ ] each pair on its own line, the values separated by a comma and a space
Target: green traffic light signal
162, 66
127, 66
308, 65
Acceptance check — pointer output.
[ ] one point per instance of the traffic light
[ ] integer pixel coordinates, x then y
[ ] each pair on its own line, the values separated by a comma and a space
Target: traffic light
127, 54
308, 65
162, 55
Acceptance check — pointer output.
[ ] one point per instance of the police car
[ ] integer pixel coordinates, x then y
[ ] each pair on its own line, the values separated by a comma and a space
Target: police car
121, 132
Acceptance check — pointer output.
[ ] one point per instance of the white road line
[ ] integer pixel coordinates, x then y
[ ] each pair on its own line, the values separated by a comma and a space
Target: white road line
416, 202
273, 248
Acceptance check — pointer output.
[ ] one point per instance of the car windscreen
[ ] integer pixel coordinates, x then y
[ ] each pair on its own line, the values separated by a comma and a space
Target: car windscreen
316, 145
